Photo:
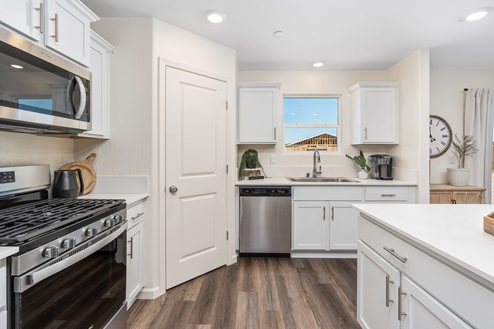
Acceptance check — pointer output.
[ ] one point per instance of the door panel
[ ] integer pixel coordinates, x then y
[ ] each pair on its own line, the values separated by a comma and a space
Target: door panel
195, 152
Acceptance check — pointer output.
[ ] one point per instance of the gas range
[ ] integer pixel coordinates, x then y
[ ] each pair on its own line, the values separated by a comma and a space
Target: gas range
59, 239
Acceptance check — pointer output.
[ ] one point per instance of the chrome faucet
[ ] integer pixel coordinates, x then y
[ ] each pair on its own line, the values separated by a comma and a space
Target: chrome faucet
317, 159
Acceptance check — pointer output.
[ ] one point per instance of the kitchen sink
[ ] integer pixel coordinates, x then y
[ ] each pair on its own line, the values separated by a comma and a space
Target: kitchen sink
322, 180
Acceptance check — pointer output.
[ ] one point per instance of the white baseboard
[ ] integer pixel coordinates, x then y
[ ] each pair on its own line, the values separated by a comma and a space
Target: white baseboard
350, 254
150, 293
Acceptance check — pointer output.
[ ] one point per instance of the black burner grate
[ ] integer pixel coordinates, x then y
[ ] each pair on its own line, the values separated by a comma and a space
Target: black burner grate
28, 221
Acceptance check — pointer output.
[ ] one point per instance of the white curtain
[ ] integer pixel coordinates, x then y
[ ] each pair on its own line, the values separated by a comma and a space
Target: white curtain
478, 122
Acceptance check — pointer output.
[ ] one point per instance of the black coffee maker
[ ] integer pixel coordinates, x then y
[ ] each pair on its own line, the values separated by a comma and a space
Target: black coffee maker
381, 166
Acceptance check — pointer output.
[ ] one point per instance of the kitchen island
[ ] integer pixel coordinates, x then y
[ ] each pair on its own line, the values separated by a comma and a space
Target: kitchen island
424, 266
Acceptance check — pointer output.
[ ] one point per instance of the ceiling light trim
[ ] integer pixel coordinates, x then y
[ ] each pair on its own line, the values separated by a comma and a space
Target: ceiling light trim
215, 17
476, 15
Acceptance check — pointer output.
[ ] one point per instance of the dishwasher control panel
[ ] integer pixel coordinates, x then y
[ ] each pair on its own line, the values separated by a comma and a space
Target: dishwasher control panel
266, 191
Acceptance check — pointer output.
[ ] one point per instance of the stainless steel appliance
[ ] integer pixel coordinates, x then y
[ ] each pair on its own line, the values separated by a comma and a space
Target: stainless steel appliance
41, 92
381, 166
70, 271
265, 221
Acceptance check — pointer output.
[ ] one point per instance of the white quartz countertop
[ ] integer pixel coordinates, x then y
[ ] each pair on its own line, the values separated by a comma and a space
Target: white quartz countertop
282, 181
454, 232
128, 197
7, 251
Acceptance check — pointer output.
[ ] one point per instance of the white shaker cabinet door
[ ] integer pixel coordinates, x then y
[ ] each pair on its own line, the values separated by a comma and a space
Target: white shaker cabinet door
421, 310
310, 225
377, 300
24, 16
343, 226
134, 263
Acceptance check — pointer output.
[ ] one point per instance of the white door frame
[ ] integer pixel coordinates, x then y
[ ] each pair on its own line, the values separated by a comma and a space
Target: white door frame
230, 255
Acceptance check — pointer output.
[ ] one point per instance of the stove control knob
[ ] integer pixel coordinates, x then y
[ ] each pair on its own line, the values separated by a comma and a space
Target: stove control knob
109, 222
68, 243
118, 219
50, 252
91, 231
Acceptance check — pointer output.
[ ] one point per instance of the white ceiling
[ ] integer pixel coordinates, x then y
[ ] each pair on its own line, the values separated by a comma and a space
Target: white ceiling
345, 34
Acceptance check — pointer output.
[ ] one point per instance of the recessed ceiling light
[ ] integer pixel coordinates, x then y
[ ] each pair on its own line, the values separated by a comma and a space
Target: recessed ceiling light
17, 66
215, 17
476, 15
318, 64
278, 34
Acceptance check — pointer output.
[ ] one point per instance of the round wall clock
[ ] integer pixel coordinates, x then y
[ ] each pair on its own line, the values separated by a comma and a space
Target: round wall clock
440, 136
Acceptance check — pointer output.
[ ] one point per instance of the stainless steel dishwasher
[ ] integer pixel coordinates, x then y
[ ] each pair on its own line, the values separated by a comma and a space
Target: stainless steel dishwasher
265, 221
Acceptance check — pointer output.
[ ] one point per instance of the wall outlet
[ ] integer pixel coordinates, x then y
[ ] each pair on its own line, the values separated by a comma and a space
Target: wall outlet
272, 160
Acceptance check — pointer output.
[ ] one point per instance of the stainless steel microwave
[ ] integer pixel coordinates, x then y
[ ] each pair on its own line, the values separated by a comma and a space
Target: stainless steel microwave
41, 92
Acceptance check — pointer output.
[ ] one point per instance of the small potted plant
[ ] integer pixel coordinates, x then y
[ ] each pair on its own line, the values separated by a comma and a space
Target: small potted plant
250, 163
361, 162
464, 146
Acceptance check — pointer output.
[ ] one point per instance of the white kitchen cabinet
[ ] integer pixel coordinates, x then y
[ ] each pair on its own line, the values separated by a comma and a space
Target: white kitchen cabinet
24, 16
377, 282
375, 113
310, 227
3, 293
135, 217
101, 52
433, 294
343, 226
61, 25
257, 112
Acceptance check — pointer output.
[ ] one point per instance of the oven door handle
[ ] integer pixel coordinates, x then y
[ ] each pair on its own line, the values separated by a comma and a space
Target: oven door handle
34, 277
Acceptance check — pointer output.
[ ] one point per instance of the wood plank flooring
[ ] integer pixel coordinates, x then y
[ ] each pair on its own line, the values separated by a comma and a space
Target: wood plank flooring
271, 293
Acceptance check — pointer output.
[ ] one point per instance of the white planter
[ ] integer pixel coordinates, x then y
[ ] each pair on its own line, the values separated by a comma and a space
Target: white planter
362, 174
458, 177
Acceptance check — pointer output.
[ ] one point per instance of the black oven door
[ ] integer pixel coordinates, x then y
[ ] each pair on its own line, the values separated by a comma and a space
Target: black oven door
86, 289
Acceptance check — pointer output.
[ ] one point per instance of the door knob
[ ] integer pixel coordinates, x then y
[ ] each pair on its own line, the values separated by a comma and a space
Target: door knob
173, 189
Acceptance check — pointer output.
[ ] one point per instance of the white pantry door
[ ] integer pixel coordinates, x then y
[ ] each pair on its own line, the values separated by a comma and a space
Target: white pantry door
196, 158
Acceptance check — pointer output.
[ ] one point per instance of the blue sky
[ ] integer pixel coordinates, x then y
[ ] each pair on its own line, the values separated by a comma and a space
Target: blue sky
309, 111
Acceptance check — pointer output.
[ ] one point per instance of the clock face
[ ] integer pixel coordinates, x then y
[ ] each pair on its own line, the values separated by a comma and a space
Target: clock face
440, 136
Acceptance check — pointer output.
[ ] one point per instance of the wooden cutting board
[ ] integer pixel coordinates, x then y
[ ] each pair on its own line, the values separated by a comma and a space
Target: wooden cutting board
87, 171
489, 223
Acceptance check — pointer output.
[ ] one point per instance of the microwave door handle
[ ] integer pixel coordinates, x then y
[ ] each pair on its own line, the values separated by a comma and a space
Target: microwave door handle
70, 92
82, 104
31, 279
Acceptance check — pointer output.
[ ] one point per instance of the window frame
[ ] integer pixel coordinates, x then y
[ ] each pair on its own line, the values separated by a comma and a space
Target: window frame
337, 125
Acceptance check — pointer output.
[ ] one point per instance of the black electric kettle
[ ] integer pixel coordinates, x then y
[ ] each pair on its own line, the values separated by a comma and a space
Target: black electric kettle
65, 184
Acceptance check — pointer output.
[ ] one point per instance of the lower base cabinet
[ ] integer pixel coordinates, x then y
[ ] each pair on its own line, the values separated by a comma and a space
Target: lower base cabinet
310, 225
134, 262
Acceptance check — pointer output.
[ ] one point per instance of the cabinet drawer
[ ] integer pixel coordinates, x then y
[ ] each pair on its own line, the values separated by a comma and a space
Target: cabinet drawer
470, 300
333, 193
386, 193
135, 213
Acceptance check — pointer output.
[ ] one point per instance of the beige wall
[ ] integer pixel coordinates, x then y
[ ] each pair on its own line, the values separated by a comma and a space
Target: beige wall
447, 101
411, 153
141, 44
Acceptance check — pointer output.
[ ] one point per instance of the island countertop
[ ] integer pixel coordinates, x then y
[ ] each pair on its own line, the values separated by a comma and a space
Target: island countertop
454, 232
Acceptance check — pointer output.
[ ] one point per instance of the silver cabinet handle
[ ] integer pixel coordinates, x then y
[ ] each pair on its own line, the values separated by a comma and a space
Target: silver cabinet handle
274, 129
401, 314
388, 195
173, 189
41, 11
365, 133
332, 213
131, 248
55, 36
323, 213
388, 282
137, 216
392, 252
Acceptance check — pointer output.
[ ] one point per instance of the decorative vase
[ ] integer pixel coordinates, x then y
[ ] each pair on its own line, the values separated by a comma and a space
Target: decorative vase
458, 177
362, 174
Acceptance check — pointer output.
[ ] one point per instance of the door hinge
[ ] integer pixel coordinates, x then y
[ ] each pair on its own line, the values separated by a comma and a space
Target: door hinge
227, 235
227, 105
227, 169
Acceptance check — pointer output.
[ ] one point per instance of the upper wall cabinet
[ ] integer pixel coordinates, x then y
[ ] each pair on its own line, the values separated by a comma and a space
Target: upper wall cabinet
61, 25
375, 113
257, 111
101, 52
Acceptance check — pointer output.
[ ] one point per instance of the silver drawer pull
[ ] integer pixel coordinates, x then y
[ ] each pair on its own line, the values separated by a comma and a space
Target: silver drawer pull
388, 195
392, 252
388, 282
137, 216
